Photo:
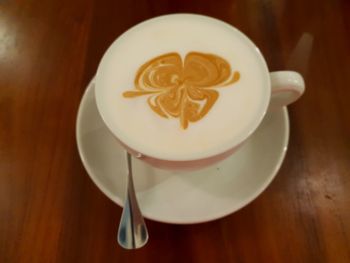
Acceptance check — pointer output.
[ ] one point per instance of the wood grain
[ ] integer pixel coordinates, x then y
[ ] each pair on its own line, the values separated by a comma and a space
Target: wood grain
50, 211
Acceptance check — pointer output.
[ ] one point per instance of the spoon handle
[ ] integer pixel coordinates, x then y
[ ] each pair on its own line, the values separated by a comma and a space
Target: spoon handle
132, 232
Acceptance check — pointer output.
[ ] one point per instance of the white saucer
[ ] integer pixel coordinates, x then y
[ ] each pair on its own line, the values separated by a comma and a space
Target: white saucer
183, 198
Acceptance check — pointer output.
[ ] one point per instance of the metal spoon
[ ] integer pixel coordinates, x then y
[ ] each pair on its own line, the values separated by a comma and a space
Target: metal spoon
132, 232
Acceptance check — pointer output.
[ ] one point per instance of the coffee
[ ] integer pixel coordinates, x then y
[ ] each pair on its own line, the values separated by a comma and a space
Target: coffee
181, 86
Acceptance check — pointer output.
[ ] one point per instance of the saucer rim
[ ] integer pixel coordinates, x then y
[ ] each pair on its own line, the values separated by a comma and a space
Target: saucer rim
117, 200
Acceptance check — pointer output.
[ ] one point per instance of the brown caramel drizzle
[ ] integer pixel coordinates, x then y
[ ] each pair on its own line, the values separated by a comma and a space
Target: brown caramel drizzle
182, 89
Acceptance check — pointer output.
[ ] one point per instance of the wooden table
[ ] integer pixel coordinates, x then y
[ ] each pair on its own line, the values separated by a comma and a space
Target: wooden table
50, 211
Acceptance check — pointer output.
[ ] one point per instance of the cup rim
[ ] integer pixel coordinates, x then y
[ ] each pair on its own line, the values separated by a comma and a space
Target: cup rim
199, 155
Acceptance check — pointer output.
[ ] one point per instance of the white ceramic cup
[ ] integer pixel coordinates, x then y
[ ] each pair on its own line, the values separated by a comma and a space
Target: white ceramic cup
285, 88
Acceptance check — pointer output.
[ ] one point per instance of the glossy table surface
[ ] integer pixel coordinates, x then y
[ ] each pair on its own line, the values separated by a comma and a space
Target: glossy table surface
50, 211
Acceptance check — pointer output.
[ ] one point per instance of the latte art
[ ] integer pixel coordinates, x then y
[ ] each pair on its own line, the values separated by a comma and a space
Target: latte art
183, 89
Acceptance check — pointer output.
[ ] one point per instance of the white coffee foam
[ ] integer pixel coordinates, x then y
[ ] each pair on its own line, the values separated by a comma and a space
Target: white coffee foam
237, 111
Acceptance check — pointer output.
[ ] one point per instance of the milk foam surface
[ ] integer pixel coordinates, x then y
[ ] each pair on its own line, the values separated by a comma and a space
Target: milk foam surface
237, 111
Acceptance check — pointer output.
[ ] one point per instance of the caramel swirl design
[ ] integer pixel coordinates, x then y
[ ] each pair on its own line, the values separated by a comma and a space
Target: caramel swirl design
180, 89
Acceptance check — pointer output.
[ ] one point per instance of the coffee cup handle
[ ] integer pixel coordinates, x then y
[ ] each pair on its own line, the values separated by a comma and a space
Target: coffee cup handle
286, 88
